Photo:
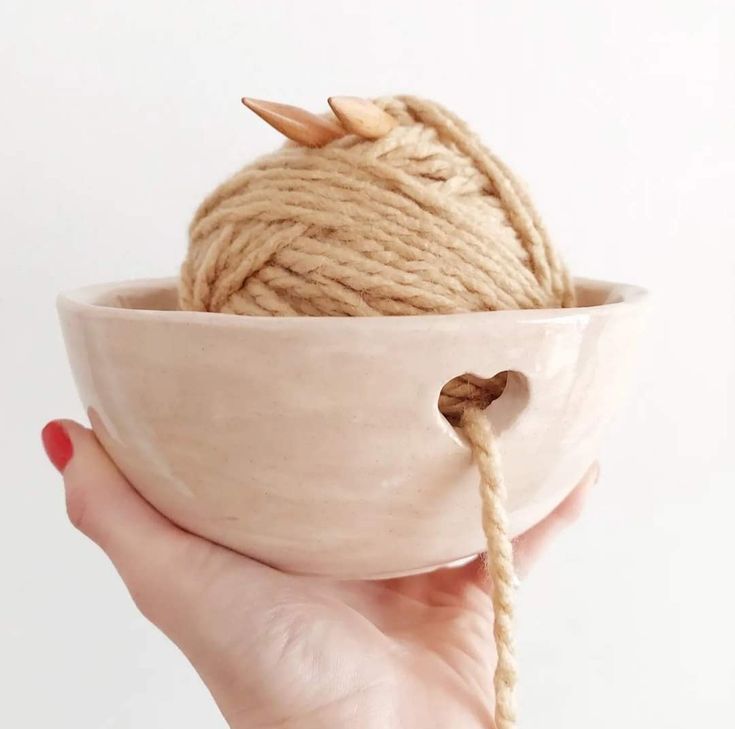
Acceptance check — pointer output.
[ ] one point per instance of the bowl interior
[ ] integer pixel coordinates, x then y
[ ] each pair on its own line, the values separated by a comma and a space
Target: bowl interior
162, 295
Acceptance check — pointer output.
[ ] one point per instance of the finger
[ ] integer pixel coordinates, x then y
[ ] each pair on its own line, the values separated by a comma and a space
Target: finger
102, 504
162, 566
529, 546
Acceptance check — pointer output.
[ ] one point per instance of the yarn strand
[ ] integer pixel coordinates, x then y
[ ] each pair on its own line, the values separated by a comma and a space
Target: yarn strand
499, 561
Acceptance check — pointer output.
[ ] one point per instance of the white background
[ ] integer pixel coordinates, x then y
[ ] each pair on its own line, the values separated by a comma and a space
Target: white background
117, 117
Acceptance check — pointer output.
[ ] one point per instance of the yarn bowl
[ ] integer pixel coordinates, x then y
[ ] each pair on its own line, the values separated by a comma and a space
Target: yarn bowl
315, 444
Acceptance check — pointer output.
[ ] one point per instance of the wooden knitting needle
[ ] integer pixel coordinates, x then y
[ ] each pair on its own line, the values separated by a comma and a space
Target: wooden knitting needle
361, 116
297, 124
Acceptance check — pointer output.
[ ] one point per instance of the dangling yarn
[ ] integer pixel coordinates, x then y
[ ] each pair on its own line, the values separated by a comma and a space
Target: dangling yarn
424, 220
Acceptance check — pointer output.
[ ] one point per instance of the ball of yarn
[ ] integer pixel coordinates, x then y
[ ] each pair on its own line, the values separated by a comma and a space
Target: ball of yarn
424, 220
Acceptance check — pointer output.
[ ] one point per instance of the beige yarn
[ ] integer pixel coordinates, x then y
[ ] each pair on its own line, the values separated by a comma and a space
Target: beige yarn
422, 221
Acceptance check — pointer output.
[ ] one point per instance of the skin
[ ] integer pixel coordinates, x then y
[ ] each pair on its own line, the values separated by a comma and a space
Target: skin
279, 650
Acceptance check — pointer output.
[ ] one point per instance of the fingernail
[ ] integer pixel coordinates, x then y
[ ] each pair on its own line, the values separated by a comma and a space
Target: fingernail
57, 444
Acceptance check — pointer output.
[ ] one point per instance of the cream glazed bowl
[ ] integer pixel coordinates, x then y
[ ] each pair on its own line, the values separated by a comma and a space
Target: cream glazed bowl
315, 444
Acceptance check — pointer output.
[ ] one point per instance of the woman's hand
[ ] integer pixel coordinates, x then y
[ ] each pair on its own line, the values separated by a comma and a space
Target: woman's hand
279, 650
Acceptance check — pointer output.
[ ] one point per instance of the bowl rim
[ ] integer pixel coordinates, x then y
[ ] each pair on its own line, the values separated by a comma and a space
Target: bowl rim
85, 301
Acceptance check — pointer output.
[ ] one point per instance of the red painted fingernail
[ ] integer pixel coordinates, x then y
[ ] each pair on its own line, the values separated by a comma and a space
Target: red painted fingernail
57, 444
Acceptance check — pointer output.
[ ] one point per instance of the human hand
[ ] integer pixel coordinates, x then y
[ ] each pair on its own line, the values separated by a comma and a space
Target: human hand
280, 650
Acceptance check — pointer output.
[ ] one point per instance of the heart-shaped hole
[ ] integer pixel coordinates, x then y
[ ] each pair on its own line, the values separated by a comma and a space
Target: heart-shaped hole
471, 390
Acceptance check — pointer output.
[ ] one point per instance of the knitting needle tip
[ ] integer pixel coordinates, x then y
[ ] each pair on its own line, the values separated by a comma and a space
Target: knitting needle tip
362, 116
296, 124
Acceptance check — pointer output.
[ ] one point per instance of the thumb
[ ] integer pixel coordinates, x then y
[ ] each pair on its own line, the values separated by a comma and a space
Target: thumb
528, 547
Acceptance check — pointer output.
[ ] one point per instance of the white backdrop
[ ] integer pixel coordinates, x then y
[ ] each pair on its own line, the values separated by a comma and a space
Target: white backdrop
117, 117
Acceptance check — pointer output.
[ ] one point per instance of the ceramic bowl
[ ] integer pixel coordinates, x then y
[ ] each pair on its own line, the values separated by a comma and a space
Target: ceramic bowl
315, 444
